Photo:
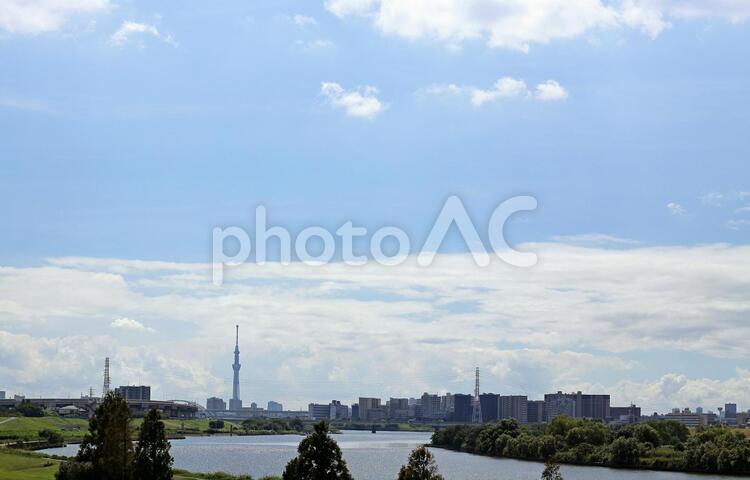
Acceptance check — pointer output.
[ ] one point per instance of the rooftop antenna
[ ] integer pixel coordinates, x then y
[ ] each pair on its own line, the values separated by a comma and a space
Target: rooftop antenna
105, 387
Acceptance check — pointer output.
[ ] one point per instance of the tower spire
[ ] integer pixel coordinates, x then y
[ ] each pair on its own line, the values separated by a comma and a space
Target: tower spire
235, 403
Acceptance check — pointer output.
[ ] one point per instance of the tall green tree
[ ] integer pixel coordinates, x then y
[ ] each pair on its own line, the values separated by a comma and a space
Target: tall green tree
551, 471
421, 466
319, 458
108, 446
152, 459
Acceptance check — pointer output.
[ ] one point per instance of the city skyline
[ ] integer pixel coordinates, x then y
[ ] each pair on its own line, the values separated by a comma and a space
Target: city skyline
131, 131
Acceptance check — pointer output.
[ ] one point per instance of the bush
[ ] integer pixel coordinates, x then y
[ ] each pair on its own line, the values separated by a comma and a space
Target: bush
53, 437
75, 471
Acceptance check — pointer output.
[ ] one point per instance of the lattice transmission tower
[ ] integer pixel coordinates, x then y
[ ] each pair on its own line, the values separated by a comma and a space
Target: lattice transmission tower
106, 386
476, 406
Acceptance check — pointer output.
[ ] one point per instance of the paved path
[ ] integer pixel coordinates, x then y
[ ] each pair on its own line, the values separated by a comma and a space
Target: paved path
7, 420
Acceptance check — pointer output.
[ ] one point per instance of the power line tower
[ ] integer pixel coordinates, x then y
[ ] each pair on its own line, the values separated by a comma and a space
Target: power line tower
105, 387
476, 406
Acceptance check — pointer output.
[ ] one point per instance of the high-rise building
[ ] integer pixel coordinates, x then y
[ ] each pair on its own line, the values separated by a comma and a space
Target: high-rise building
319, 411
366, 404
577, 405
274, 406
133, 392
431, 406
216, 404
514, 406
338, 411
355, 411
629, 414
730, 413
462, 407
490, 406
446, 405
235, 403
535, 412
2, 394
398, 408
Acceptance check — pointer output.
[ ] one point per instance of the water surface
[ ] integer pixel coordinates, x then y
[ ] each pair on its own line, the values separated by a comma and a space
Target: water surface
372, 457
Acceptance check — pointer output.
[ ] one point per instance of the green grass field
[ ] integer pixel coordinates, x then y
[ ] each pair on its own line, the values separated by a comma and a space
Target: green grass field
27, 428
25, 466
19, 465
73, 429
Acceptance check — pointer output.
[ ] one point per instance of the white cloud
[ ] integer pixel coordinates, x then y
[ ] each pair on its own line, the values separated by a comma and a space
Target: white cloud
570, 318
319, 44
550, 90
505, 87
129, 29
680, 391
361, 102
129, 324
676, 209
516, 24
737, 224
304, 20
39, 16
342, 8
719, 199
594, 239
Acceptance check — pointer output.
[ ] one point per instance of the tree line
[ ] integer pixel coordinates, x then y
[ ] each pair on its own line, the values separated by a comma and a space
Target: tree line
663, 445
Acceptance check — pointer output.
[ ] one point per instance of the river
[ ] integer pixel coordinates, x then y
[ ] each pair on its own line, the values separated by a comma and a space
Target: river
372, 457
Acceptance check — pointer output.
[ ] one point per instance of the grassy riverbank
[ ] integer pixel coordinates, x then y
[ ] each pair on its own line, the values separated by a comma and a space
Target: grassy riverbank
73, 430
21, 465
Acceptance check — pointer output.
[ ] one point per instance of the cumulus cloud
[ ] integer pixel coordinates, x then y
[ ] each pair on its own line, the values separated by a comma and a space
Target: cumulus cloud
130, 29
516, 24
304, 20
550, 90
676, 209
39, 16
361, 102
505, 87
129, 324
571, 318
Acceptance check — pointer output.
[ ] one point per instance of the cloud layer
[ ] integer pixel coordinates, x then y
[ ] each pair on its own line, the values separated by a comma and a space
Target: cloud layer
517, 24
575, 321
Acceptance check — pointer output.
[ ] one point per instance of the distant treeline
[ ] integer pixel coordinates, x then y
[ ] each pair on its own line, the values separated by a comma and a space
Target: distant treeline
660, 445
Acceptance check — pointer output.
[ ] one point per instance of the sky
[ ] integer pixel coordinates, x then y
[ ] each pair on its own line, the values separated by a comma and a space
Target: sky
129, 130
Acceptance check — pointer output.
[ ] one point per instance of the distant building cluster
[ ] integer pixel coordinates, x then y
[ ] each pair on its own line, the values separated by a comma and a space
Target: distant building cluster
468, 408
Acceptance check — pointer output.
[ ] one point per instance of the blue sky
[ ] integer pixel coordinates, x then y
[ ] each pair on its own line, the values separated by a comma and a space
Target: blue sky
129, 130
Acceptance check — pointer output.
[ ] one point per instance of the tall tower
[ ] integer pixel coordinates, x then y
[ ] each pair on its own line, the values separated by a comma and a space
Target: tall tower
476, 405
105, 386
235, 403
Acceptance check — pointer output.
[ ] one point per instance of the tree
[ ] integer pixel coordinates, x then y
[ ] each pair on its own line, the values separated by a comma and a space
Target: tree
624, 452
28, 409
421, 466
53, 437
216, 424
152, 458
551, 471
319, 458
108, 446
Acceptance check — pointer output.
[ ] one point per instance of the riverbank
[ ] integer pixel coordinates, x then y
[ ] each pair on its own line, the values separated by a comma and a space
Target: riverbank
23, 465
